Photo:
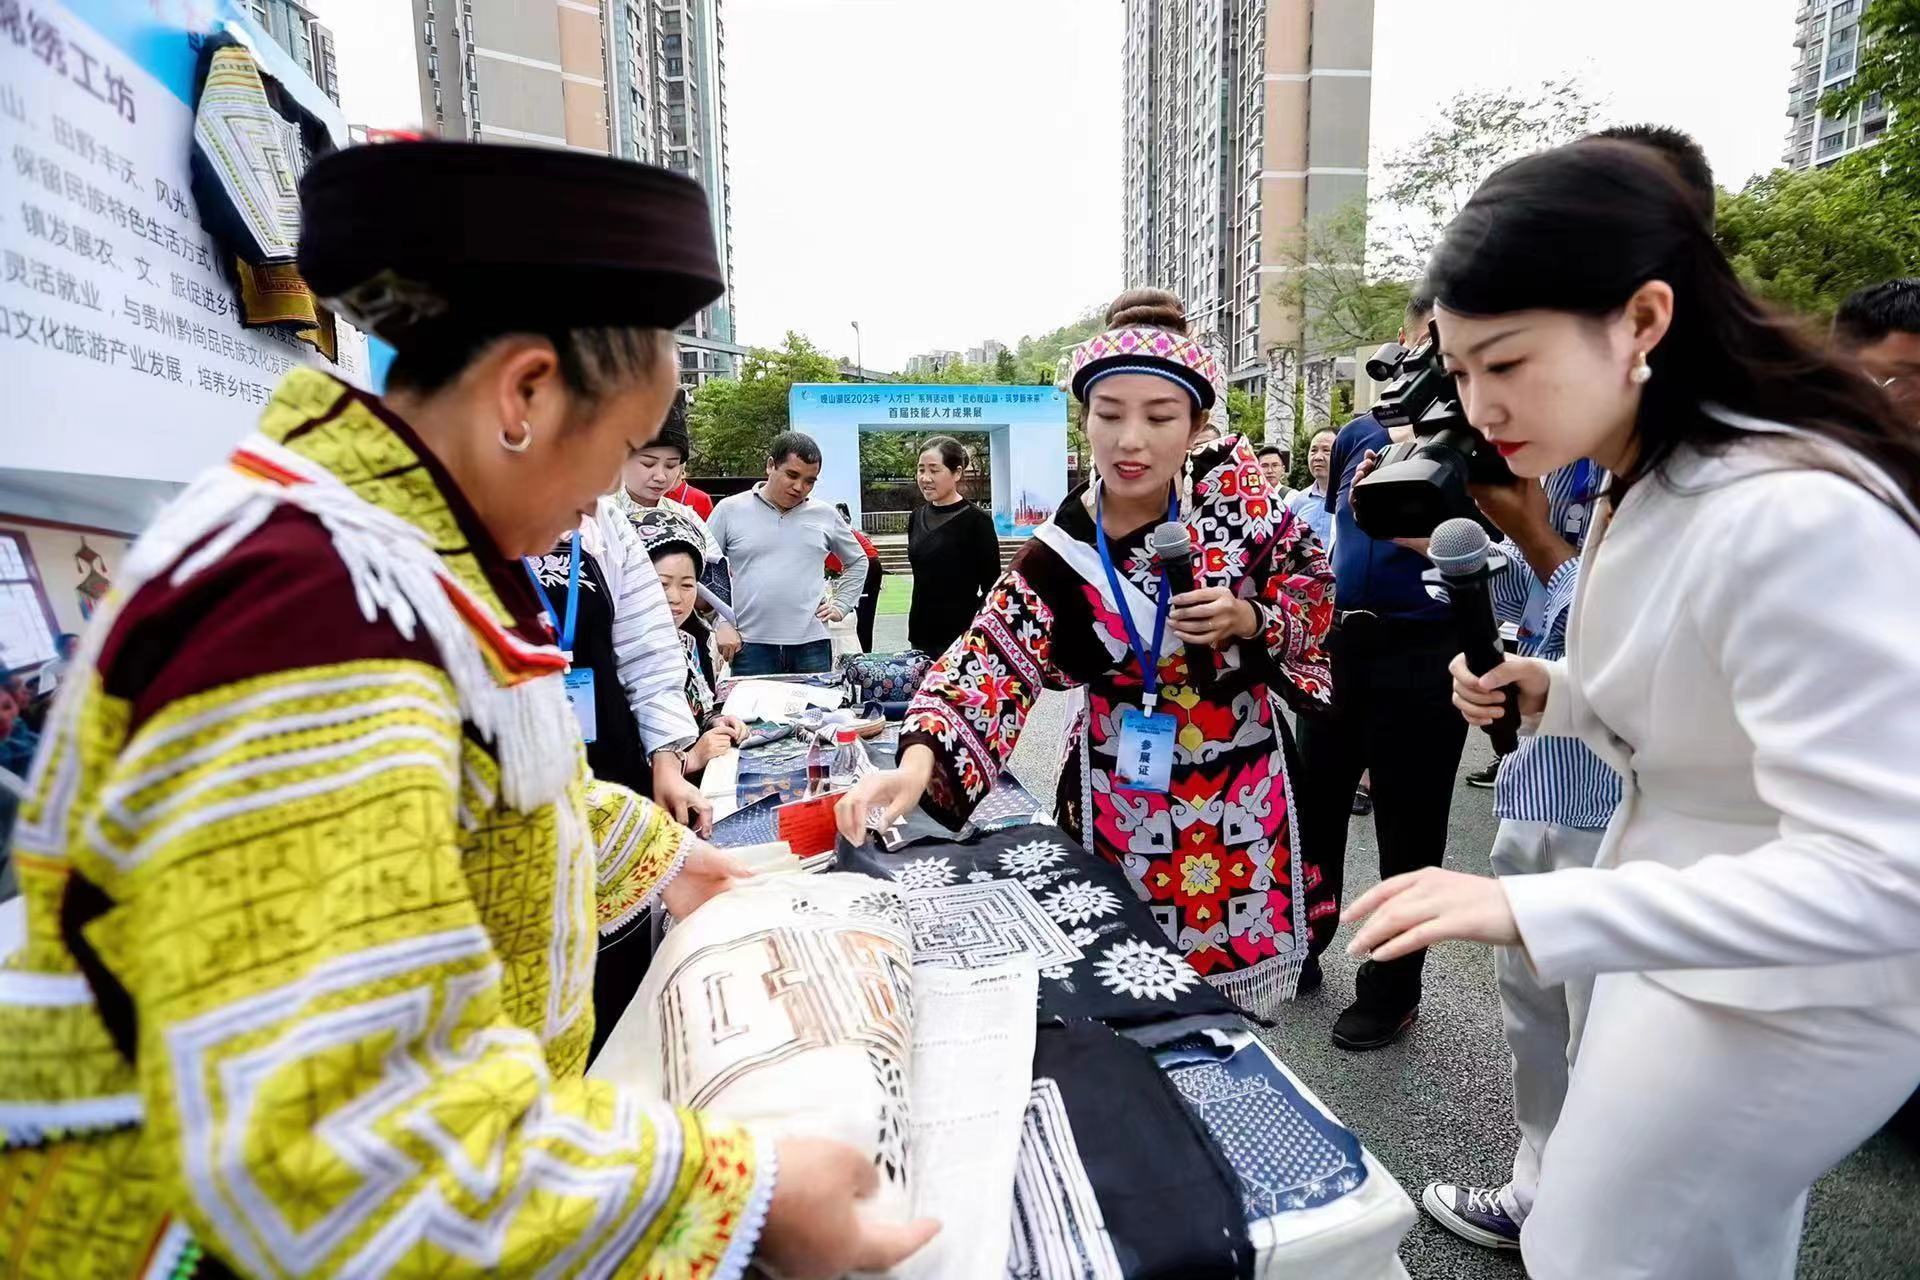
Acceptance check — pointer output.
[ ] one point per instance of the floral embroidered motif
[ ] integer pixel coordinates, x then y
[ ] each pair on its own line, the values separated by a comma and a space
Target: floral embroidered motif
1031, 858
926, 873
1079, 901
1144, 971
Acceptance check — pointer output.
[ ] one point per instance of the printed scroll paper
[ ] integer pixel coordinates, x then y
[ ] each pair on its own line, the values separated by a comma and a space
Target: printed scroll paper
973, 1039
785, 1003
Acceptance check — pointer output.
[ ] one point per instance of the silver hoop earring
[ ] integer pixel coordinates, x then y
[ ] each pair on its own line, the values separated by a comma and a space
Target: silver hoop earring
1642, 372
520, 445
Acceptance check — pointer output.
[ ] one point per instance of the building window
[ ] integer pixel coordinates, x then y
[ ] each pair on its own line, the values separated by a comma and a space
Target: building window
1844, 8
27, 624
1832, 142
1840, 63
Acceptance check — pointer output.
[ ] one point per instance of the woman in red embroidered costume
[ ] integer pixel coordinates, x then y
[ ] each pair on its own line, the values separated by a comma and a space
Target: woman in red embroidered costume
1176, 768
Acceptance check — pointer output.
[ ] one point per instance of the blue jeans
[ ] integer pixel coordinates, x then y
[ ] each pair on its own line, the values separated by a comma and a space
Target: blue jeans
783, 659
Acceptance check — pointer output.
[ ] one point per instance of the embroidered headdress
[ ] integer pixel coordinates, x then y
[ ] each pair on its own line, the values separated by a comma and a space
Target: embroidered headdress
1147, 349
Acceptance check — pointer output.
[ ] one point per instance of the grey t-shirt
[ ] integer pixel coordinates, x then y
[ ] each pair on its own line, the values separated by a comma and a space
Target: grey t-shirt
778, 562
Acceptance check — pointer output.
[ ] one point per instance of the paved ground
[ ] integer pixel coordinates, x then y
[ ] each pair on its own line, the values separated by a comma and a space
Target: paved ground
1437, 1105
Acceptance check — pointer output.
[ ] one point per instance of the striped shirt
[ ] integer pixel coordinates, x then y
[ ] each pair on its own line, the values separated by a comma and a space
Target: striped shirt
1550, 779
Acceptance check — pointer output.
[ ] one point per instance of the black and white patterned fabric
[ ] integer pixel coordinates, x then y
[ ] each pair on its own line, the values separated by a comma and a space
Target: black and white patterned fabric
1116, 966
1290, 1155
1168, 1205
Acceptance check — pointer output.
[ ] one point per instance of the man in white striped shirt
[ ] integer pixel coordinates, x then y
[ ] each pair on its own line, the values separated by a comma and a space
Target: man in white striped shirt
1554, 798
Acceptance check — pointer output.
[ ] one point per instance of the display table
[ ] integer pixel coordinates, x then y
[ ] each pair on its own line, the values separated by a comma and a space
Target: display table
1316, 1203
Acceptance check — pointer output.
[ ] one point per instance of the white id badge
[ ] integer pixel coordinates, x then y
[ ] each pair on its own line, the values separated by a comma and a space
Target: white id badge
580, 697
1145, 751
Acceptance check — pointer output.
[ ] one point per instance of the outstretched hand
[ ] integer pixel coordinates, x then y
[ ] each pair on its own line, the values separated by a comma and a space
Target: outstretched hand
1423, 907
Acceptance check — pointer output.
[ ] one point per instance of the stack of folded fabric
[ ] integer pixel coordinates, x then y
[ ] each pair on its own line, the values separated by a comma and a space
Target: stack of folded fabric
1161, 1138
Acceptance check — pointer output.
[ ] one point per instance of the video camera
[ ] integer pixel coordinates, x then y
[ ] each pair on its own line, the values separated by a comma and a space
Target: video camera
1423, 481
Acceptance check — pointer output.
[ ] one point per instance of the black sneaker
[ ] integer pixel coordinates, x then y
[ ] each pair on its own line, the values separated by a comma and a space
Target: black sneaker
1362, 801
1366, 1024
1485, 778
1472, 1213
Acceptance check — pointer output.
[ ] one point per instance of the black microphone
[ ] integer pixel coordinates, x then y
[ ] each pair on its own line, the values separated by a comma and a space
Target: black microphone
1460, 550
1172, 549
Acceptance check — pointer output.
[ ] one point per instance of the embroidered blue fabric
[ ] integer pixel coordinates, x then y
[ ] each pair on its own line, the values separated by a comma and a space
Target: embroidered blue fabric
1289, 1154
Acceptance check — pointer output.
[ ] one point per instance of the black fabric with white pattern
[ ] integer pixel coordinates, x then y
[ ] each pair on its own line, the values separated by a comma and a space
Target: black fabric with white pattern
1127, 976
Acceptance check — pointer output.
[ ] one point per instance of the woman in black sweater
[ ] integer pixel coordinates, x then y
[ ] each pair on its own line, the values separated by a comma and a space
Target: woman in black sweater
954, 550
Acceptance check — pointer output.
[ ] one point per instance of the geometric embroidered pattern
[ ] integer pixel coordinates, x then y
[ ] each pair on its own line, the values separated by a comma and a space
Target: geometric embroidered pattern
360, 977
974, 926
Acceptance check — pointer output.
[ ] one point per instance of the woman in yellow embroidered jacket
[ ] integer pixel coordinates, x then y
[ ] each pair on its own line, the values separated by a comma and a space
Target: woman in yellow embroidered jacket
314, 866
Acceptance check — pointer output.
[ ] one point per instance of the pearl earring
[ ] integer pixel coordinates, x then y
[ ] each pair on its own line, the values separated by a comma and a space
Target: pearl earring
520, 445
1642, 372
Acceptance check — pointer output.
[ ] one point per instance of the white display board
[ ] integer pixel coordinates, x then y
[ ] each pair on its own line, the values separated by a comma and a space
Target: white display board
121, 348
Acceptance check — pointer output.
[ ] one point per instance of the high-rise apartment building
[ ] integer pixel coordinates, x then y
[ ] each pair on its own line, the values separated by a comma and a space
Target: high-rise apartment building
1245, 121
1827, 33
642, 80
295, 29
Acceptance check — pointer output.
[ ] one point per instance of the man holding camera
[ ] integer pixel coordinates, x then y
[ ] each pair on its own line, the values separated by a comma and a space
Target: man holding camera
1392, 714
1554, 798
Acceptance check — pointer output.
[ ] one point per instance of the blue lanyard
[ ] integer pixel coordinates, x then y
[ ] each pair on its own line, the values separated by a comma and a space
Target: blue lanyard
573, 595
1149, 662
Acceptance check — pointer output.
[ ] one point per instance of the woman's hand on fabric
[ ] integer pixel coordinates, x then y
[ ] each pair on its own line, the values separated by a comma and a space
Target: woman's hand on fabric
1427, 906
815, 1228
829, 612
1212, 616
735, 727
706, 872
683, 799
713, 744
726, 638
1481, 699
892, 791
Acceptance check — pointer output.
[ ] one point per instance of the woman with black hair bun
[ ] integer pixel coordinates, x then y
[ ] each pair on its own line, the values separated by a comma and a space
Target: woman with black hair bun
953, 546
1741, 650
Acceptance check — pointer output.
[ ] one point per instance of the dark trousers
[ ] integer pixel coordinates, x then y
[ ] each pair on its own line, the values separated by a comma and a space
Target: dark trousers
756, 659
1393, 713
869, 603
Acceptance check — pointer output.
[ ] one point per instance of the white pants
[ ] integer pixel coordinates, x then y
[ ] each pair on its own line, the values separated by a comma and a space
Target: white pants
1691, 1132
1543, 1022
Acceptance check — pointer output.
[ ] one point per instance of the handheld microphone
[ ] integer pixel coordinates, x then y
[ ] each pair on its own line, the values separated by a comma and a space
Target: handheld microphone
1460, 549
1173, 551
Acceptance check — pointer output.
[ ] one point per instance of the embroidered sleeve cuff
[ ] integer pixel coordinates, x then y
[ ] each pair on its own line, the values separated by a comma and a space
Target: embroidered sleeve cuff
753, 1213
639, 851
960, 779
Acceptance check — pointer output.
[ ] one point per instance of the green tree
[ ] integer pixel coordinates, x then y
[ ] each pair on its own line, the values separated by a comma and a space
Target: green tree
1006, 369
1890, 68
734, 420
1806, 240
1429, 180
1037, 359
1246, 417
1327, 280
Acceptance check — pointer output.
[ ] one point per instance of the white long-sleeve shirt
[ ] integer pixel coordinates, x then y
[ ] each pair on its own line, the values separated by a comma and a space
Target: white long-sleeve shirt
646, 644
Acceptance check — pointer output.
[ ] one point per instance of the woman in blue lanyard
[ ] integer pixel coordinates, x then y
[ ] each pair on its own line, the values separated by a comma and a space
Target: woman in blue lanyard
1176, 767
570, 577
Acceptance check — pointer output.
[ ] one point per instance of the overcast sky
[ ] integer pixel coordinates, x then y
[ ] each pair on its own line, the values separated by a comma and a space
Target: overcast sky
946, 172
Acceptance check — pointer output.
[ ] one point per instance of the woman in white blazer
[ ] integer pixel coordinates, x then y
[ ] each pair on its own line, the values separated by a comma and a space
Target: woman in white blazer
1745, 650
